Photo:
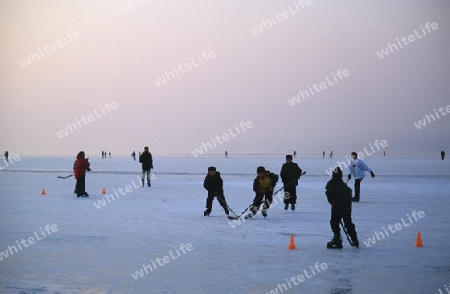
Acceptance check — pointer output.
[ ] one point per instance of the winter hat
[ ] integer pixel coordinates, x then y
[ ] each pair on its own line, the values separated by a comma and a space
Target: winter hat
337, 173
288, 157
211, 168
260, 169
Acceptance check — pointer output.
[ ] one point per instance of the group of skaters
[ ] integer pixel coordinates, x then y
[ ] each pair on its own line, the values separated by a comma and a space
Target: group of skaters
81, 165
338, 194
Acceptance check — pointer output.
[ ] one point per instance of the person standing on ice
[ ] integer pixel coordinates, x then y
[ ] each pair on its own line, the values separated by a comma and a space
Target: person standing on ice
80, 167
442, 155
6, 155
339, 195
147, 164
290, 173
213, 183
263, 186
357, 168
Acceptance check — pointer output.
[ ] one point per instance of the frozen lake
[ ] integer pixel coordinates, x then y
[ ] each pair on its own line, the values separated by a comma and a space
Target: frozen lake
156, 240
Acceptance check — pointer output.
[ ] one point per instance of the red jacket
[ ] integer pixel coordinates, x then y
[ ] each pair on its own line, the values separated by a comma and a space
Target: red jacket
80, 166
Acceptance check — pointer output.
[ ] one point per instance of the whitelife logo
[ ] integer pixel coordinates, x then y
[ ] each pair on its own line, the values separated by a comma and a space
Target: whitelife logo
272, 21
183, 68
66, 40
404, 40
71, 127
243, 126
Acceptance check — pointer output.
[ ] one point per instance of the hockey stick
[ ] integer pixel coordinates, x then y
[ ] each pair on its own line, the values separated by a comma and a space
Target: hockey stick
238, 216
251, 205
346, 234
61, 177
274, 193
229, 208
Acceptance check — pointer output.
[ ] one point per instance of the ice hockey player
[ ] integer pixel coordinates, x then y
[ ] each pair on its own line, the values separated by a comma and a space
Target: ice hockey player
80, 167
263, 186
290, 173
213, 183
357, 168
339, 195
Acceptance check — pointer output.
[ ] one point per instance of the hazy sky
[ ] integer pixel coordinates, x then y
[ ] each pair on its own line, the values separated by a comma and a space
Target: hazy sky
91, 68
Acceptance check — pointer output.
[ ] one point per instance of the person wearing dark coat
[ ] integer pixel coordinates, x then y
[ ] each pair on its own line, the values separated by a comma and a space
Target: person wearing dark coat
263, 186
339, 195
290, 173
213, 183
442, 155
147, 164
80, 167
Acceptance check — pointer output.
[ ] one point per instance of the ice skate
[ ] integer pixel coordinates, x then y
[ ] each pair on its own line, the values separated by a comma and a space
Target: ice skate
250, 215
264, 213
335, 243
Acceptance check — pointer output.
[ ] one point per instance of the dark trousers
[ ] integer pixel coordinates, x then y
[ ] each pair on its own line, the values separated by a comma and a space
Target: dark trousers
80, 187
357, 188
345, 215
146, 173
220, 198
290, 195
267, 196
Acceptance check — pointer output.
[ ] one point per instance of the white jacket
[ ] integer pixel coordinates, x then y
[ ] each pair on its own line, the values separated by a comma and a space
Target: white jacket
357, 168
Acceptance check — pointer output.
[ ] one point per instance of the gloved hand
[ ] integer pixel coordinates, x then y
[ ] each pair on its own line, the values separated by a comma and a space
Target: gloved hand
88, 169
372, 174
349, 177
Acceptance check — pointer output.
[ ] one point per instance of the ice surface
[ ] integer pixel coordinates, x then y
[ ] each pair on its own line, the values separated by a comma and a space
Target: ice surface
98, 250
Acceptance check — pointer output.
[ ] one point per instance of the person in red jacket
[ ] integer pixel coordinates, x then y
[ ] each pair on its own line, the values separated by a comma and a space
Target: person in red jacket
80, 167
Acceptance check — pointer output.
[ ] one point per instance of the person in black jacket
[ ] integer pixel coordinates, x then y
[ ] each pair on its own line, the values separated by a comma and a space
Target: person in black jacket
290, 173
339, 195
213, 183
263, 186
147, 164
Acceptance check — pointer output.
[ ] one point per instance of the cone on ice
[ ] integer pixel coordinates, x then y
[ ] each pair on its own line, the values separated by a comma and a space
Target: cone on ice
292, 243
104, 191
43, 191
419, 240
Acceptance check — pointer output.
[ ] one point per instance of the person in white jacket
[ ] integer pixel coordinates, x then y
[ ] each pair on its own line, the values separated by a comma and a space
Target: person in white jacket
357, 168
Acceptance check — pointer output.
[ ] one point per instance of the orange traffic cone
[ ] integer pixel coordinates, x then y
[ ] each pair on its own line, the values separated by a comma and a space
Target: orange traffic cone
104, 191
43, 191
292, 243
419, 240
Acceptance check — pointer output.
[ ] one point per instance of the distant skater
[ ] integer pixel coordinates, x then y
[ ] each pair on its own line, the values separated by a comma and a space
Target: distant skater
442, 155
147, 164
339, 195
213, 183
295, 153
263, 186
323, 154
357, 168
290, 173
331, 154
133, 155
6, 155
226, 154
80, 167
